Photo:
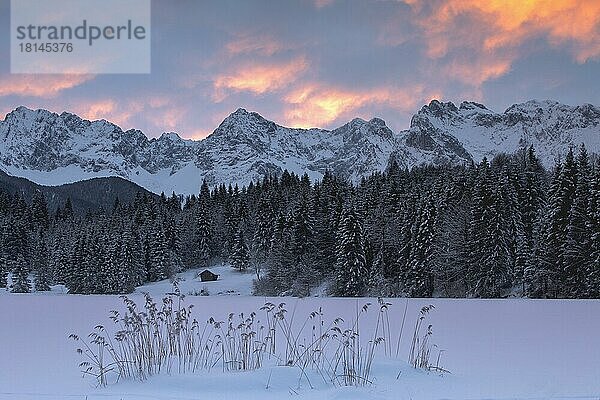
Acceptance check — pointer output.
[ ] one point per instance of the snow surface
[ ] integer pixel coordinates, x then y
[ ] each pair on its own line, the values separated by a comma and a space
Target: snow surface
231, 282
495, 349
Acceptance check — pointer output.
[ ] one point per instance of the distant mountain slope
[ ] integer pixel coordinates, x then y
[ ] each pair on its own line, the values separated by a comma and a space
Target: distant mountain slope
86, 195
54, 149
549, 126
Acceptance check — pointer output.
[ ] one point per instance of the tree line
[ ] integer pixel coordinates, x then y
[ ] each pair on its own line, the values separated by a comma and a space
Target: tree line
505, 227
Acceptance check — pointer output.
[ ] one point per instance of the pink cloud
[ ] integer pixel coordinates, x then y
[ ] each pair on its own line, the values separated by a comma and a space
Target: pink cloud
39, 85
259, 78
321, 104
474, 41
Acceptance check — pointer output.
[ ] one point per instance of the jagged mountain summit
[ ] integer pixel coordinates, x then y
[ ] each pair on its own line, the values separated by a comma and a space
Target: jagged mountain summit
54, 149
549, 126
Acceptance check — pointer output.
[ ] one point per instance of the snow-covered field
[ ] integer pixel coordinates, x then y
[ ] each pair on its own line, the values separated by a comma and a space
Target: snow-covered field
231, 282
495, 349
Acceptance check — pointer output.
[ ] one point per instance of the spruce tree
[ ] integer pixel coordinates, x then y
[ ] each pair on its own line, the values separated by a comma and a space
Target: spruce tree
68, 213
41, 266
159, 266
376, 283
278, 277
4, 268
4, 260
202, 238
592, 278
239, 256
560, 201
576, 248
418, 279
494, 271
351, 274
478, 230
20, 275
39, 211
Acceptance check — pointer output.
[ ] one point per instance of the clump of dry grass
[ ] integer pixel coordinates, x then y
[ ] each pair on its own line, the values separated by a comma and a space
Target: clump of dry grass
166, 338
421, 350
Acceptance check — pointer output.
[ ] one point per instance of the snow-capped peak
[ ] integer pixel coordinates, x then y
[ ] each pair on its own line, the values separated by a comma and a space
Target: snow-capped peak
52, 148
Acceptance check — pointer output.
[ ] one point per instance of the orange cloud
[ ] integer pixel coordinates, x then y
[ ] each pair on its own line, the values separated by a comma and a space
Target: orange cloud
40, 85
260, 78
478, 70
161, 111
319, 105
99, 110
500, 24
168, 119
110, 110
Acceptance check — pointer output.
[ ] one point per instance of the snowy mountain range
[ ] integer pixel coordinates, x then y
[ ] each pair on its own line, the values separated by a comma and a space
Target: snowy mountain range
54, 149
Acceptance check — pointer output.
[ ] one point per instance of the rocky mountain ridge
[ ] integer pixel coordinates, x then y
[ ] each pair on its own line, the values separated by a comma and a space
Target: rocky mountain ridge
54, 149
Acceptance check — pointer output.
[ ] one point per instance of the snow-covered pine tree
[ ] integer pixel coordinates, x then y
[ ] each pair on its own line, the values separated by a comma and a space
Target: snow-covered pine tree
302, 229
231, 219
20, 275
4, 264
494, 271
263, 235
39, 212
562, 191
302, 246
327, 200
74, 273
275, 280
399, 240
418, 279
240, 257
60, 247
202, 237
41, 266
159, 265
592, 278
451, 253
99, 273
509, 186
478, 230
522, 268
532, 200
108, 279
67, 212
576, 248
531, 194
4, 268
376, 284
351, 272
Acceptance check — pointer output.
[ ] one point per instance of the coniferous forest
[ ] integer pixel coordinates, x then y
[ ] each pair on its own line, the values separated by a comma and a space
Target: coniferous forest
505, 227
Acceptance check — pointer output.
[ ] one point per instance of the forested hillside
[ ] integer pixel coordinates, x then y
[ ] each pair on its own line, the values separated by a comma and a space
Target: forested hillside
90, 194
499, 228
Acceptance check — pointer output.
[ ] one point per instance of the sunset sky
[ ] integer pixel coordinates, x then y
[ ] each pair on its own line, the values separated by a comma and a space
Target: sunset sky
322, 62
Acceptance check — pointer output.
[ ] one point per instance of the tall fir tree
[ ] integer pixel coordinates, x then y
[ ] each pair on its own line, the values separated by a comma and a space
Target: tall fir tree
41, 266
562, 192
202, 238
20, 275
577, 246
351, 274
239, 256
418, 279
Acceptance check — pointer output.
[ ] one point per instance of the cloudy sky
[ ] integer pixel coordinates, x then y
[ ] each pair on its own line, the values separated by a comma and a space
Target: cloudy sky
307, 63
